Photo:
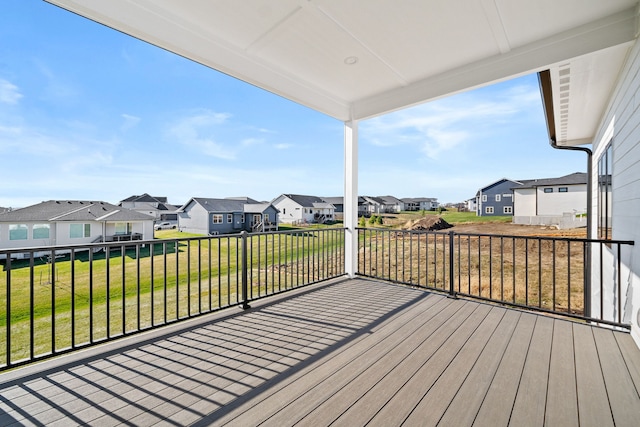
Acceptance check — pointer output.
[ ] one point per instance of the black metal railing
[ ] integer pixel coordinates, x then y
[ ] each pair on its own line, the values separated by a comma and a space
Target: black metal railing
579, 278
58, 299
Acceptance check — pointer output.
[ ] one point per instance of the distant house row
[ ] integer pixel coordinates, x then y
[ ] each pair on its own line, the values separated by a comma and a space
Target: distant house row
76, 222
550, 201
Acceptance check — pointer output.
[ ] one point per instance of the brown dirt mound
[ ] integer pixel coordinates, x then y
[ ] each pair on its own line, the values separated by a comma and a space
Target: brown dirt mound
429, 223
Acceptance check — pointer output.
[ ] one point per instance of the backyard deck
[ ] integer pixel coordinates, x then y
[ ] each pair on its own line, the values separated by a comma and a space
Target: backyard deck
346, 352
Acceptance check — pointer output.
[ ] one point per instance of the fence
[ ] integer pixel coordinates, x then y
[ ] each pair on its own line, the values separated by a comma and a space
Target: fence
58, 299
579, 278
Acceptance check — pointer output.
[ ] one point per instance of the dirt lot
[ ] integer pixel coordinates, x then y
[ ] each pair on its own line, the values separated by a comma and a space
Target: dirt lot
518, 230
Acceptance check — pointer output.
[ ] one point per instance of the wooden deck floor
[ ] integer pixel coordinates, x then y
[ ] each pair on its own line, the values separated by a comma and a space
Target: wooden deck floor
349, 353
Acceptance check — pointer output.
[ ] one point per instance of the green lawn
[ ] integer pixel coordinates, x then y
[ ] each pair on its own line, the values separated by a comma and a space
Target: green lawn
119, 293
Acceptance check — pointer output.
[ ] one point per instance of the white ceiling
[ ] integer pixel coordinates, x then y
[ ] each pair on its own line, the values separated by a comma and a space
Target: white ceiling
356, 59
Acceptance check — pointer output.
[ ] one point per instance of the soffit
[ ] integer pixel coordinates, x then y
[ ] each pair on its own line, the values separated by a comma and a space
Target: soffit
404, 52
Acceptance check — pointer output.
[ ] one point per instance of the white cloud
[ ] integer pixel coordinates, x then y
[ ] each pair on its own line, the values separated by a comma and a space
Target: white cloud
9, 93
198, 132
129, 121
440, 126
247, 142
283, 146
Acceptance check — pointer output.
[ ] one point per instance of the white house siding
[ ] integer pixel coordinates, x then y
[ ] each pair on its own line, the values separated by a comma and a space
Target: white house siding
621, 125
193, 219
524, 204
291, 212
556, 203
533, 206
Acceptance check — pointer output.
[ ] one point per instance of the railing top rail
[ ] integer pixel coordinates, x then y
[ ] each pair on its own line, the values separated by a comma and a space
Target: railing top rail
508, 236
120, 244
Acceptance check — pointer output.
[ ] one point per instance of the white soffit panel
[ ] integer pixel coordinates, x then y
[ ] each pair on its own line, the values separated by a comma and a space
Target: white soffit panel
581, 89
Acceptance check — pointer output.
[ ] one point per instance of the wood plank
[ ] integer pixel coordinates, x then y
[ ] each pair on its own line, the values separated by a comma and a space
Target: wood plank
531, 397
562, 401
279, 396
480, 356
623, 396
396, 409
631, 355
498, 403
465, 405
339, 391
593, 402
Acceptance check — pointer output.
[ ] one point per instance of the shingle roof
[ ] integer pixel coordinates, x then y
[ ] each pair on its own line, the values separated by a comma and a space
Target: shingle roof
228, 205
304, 201
145, 198
73, 210
571, 179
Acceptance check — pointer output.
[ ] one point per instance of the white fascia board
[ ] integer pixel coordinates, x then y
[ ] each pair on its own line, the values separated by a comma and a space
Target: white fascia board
611, 31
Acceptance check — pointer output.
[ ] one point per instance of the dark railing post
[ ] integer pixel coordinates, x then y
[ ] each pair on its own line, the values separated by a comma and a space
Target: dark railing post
452, 291
245, 266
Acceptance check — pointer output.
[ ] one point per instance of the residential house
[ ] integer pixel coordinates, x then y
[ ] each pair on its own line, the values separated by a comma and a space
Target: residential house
496, 199
392, 204
552, 201
3, 210
71, 222
420, 203
151, 205
225, 216
472, 204
301, 209
338, 204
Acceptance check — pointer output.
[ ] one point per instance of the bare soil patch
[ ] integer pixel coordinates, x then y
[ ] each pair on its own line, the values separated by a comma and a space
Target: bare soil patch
518, 230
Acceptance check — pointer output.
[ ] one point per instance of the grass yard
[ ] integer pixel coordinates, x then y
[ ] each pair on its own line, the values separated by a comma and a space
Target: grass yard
110, 293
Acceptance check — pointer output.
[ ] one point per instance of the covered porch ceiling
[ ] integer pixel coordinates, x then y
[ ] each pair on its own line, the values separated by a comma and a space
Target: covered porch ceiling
355, 59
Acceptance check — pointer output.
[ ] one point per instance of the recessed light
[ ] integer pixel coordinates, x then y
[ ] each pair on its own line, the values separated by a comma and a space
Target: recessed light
351, 60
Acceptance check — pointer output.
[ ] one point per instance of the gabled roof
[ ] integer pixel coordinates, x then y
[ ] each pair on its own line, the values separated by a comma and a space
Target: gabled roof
145, 198
389, 200
73, 210
228, 205
498, 182
337, 200
305, 201
575, 178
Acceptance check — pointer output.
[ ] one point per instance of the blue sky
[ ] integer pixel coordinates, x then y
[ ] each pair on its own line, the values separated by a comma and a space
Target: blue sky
89, 113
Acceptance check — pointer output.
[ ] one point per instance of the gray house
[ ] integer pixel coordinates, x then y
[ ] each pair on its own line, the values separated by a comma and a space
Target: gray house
420, 203
496, 199
225, 216
151, 205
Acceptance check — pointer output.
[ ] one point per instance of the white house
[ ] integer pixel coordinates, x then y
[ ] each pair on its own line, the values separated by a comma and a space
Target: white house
296, 209
71, 222
552, 201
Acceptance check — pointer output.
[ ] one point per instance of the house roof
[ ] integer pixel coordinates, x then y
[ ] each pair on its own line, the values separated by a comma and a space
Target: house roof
337, 200
73, 210
307, 201
498, 182
418, 199
355, 59
145, 198
390, 200
575, 178
228, 205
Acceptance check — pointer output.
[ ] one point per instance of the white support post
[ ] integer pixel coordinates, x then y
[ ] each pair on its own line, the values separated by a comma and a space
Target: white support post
351, 197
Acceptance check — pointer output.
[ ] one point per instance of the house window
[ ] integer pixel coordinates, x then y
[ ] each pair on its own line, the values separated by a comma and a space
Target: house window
484, 197
78, 231
229, 218
605, 166
266, 218
242, 219
217, 218
548, 190
18, 231
507, 210
122, 228
41, 231
563, 190
498, 197
284, 211
488, 209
